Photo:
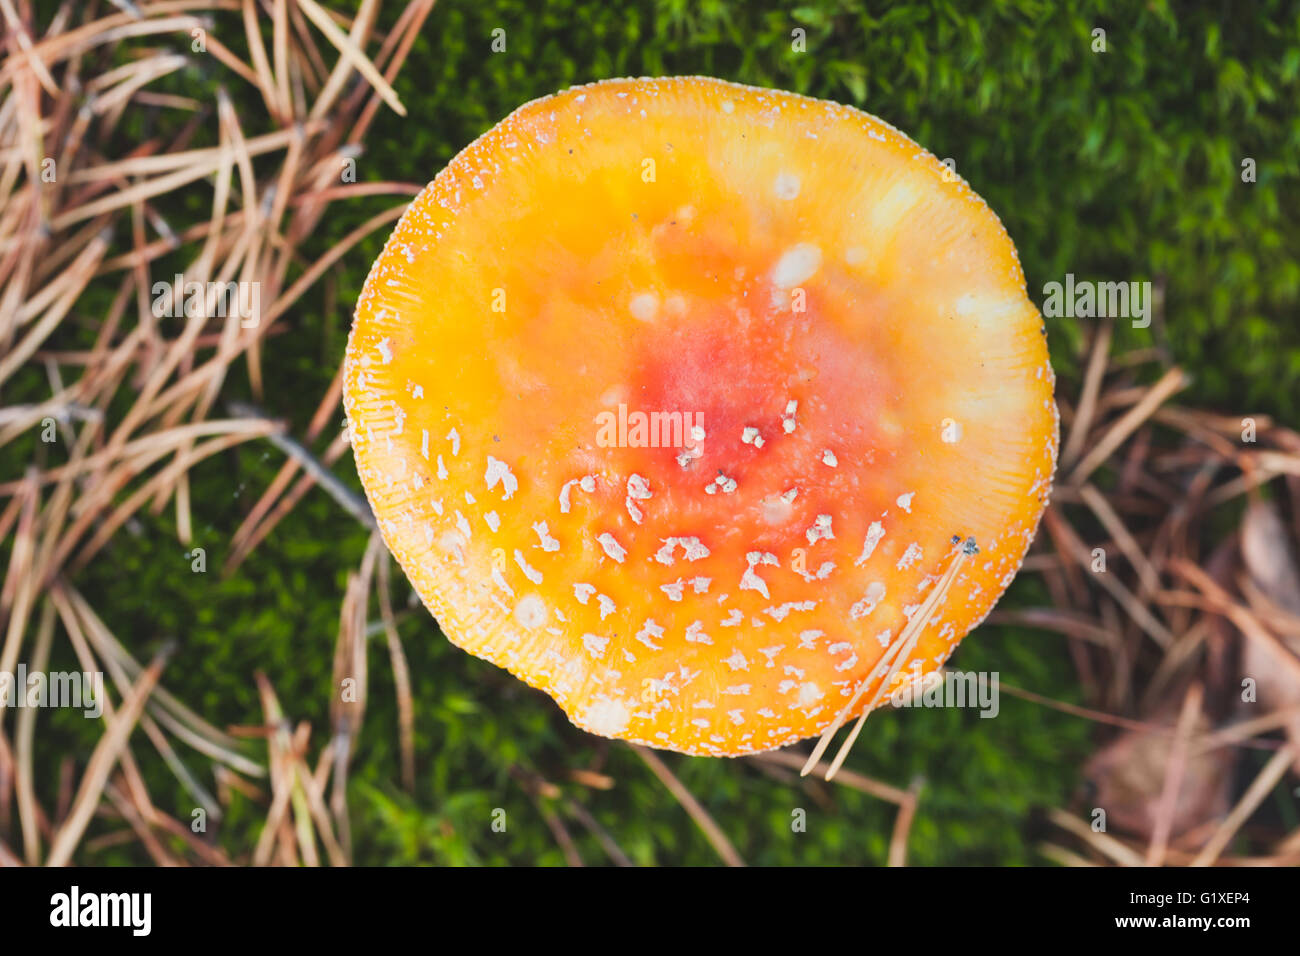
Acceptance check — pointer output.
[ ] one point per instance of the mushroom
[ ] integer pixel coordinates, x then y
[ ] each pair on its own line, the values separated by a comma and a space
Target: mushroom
720, 414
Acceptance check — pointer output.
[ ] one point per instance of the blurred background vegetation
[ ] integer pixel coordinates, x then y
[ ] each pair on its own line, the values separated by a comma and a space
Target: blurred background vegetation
1122, 165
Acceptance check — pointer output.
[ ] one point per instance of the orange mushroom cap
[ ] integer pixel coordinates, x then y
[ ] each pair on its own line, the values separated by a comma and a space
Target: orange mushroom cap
671, 396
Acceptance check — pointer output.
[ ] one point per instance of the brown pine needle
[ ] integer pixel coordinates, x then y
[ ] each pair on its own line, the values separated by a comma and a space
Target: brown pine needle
892, 660
102, 760
1250, 800
903, 825
712, 832
1088, 397
1175, 768
349, 50
1108, 846
845, 778
1169, 383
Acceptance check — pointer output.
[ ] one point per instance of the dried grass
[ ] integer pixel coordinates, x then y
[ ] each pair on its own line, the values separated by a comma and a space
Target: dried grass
62, 93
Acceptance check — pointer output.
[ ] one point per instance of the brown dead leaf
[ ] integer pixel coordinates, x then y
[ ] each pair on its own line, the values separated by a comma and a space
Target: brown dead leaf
1129, 775
1269, 556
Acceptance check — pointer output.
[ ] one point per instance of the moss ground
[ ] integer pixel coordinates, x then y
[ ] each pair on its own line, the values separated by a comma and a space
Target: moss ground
1122, 165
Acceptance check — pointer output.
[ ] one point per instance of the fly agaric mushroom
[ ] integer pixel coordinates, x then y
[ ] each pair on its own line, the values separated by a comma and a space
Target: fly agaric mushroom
720, 414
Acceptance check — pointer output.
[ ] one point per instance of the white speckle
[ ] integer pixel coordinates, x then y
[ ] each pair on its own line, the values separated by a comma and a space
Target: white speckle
385, 347
500, 471
828, 458
786, 186
728, 106
451, 543
823, 572
530, 573
595, 644
693, 548
607, 717
648, 631
777, 509
583, 592
442, 469
424, 443
547, 542
737, 662
782, 612
722, 483
788, 423
673, 590
874, 534
808, 639
910, 557
796, 265
607, 606
821, 529
492, 520
875, 593
905, 501
749, 435
454, 437
564, 496
695, 633
611, 547
500, 580
749, 581
644, 307
809, 693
